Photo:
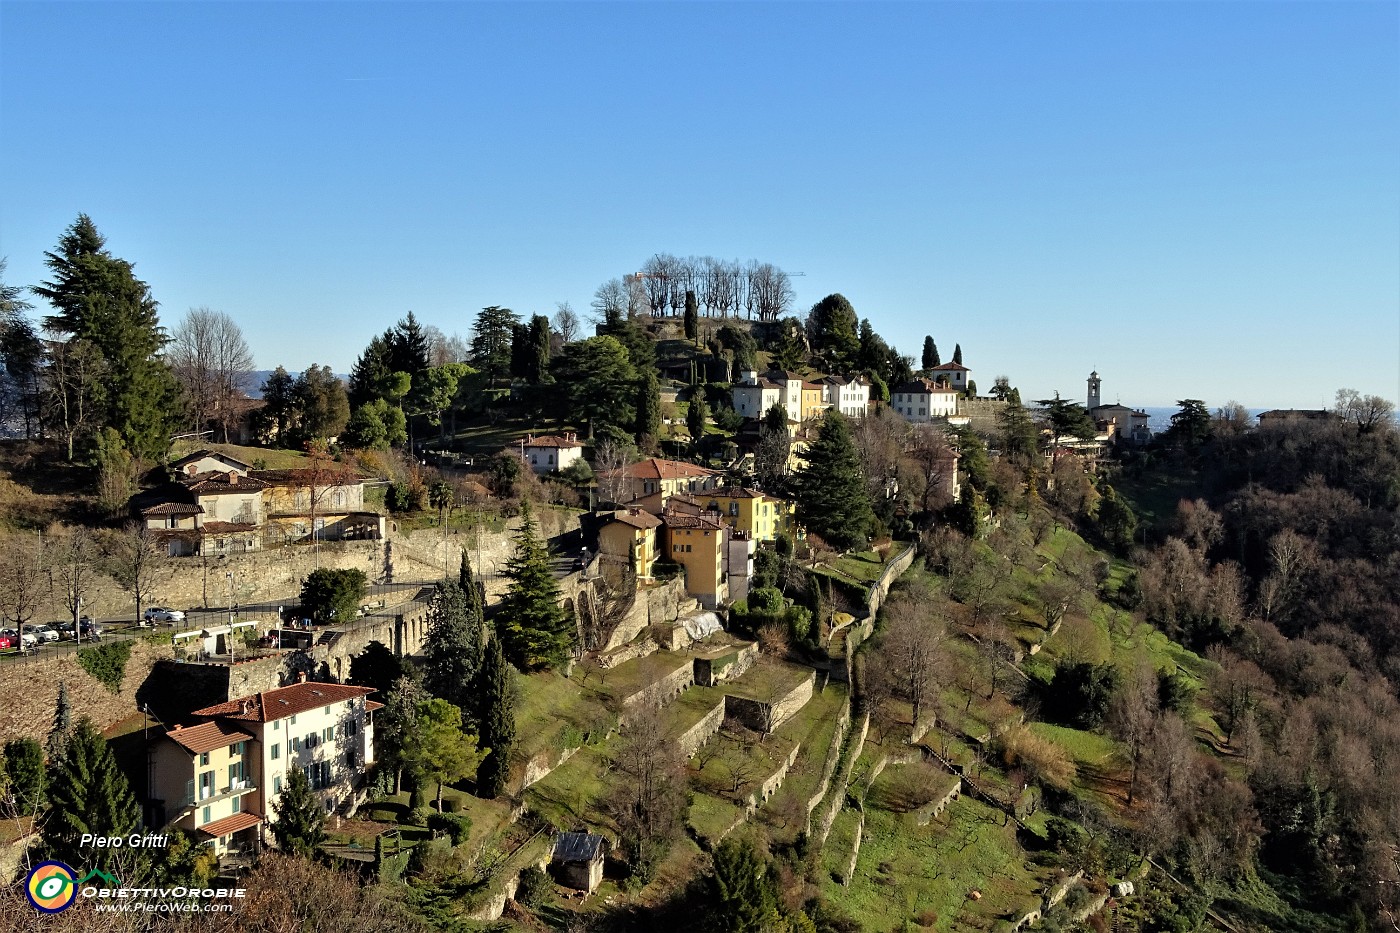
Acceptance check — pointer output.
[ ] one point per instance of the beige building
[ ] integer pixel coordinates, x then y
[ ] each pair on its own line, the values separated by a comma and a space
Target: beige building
551, 454
697, 543
630, 535
667, 477
220, 779
923, 400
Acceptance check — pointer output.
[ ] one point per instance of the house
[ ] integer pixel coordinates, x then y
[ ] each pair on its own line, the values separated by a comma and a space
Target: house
577, 861
697, 543
954, 375
1276, 415
630, 534
221, 777
551, 454
747, 510
1118, 423
923, 400
208, 461
851, 397
753, 394
664, 476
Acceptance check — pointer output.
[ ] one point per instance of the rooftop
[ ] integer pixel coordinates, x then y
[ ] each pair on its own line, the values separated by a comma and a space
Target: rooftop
284, 701
656, 468
206, 736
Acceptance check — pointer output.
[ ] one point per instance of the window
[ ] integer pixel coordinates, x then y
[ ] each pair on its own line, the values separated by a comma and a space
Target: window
206, 785
237, 749
310, 740
351, 727
276, 725
328, 734
204, 758
277, 785
208, 812
296, 745
292, 720
733, 508
276, 751
326, 711
238, 805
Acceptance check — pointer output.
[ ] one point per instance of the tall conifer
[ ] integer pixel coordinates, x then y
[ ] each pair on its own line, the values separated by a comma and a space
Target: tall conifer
534, 629
496, 720
87, 794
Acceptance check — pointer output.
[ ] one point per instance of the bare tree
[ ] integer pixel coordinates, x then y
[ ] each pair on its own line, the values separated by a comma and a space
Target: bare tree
137, 559
772, 291
72, 558
911, 649
1133, 717
648, 800
23, 580
610, 463
566, 322
74, 388
213, 363
1365, 411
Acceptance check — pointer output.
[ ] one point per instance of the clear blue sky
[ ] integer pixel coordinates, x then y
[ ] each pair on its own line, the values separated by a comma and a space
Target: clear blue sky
1196, 199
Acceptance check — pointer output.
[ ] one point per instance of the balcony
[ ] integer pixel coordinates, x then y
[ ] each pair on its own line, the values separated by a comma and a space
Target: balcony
235, 789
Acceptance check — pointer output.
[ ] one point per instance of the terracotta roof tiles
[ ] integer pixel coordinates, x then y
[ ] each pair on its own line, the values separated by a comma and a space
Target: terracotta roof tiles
284, 701
206, 736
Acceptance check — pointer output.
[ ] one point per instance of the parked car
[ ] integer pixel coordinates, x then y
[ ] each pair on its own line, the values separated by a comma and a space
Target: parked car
25, 640
6, 641
64, 629
41, 632
164, 614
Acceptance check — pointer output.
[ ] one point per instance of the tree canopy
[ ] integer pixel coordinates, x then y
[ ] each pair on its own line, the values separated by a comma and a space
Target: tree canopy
830, 489
534, 629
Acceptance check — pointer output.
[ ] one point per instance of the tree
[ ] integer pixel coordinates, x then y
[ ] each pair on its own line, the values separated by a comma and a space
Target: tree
790, 349
76, 390
1367, 412
279, 414
23, 577
116, 472
396, 722
62, 727
697, 416
911, 650
1080, 693
466, 580
438, 750
496, 720
610, 462
648, 425
648, 801
378, 667
930, 357
22, 353
1019, 438
330, 595
597, 378
299, 826
1191, 425
742, 894
376, 425
408, 347
72, 558
957, 353
535, 631
371, 371
437, 390
88, 794
25, 775
774, 448
97, 298
137, 559
1116, 520
692, 317
830, 490
450, 651
537, 351
491, 340
213, 364
566, 322
322, 407
835, 332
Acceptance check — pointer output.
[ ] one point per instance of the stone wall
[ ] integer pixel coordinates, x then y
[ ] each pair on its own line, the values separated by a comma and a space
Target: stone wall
772, 783
838, 790
759, 714
981, 413
710, 672
697, 735
655, 604
661, 691
30, 688
926, 814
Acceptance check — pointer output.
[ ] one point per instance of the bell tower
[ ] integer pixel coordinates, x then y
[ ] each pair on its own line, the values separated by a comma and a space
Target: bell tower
1094, 395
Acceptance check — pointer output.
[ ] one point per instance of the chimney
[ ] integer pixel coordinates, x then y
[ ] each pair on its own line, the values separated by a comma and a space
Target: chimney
233, 477
244, 706
301, 677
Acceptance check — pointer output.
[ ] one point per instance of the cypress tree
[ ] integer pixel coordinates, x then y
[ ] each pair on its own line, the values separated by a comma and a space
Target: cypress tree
692, 316
697, 415
648, 426
930, 359
450, 651
537, 350
957, 354
62, 726
475, 614
534, 629
300, 823
87, 794
496, 718
830, 488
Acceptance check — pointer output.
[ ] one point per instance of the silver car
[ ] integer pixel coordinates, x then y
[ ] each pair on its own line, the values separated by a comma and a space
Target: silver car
40, 632
164, 614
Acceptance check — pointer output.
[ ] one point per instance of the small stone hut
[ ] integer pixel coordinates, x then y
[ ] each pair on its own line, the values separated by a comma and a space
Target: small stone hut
578, 860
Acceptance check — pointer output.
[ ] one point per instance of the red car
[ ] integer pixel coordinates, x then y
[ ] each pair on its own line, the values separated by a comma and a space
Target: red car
6, 642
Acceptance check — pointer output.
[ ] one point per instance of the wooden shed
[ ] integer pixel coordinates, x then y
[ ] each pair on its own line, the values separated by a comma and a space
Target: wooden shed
578, 860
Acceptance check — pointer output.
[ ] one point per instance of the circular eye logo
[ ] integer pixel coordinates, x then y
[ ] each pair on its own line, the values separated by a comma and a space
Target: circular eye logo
51, 887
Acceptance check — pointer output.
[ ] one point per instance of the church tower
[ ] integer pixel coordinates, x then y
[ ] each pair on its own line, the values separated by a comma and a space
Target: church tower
1093, 391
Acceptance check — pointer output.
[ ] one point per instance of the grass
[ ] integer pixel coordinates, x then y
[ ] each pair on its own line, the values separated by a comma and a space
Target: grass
764, 682
1087, 748
574, 793
710, 815
554, 713
836, 854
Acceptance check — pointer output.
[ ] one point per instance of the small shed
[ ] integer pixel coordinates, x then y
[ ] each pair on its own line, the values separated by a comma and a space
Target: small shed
578, 860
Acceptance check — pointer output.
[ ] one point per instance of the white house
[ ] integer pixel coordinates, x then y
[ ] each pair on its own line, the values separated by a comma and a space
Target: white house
1122, 424
955, 374
753, 394
549, 454
924, 400
851, 397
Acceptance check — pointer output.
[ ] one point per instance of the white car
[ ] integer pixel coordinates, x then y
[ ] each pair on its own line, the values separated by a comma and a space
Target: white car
164, 614
40, 632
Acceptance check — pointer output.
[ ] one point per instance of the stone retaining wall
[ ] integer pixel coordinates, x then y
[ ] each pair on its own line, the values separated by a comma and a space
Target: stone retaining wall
759, 714
697, 735
770, 784
661, 691
838, 790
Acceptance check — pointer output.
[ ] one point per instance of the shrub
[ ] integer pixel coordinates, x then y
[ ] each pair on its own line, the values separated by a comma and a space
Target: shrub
419, 816
107, 663
456, 826
1046, 763
535, 888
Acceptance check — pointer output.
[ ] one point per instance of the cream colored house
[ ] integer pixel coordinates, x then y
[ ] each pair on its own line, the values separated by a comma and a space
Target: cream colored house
697, 543
923, 400
551, 454
630, 534
667, 477
220, 779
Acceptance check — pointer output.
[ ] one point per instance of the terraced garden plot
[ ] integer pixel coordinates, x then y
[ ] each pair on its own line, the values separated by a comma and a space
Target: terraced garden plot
710, 815
814, 728
614, 685
689, 708
576, 792
906, 788
556, 712
836, 854
730, 759
763, 682
906, 872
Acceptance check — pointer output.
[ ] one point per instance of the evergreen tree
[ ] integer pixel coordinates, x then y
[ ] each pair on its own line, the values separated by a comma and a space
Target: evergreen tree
697, 415
467, 581
830, 489
1191, 425
648, 425
98, 298
439, 750
450, 656
496, 718
24, 773
1066, 419
1116, 519
790, 349
537, 351
519, 350
957, 354
491, 341
598, 381
87, 794
930, 359
299, 826
873, 350
377, 667
62, 726
280, 411
743, 894
371, 371
535, 631
408, 347
641, 352
692, 316
322, 408
835, 332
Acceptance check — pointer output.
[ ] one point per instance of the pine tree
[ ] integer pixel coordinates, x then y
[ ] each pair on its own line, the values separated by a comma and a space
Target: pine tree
830, 489
371, 371
98, 298
491, 341
692, 316
957, 354
648, 426
87, 794
534, 629
743, 896
496, 720
467, 581
300, 822
24, 774
450, 656
408, 347
62, 727
930, 359
835, 332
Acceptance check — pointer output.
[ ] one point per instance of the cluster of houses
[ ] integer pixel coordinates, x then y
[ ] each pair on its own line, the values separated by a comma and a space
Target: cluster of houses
216, 504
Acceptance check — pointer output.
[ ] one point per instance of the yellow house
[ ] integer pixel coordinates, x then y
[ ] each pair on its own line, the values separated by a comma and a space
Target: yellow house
746, 510
666, 477
696, 542
813, 400
630, 534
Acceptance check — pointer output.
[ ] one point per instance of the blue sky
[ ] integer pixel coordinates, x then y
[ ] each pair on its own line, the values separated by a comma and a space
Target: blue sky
1195, 199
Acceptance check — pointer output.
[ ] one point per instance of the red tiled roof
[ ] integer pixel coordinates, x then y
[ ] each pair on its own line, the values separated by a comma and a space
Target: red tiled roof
951, 367
328, 476
921, 387
636, 518
202, 453
231, 824
735, 492
552, 441
173, 508
215, 484
284, 701
656, 468
372, 705
206, 736
708, 521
